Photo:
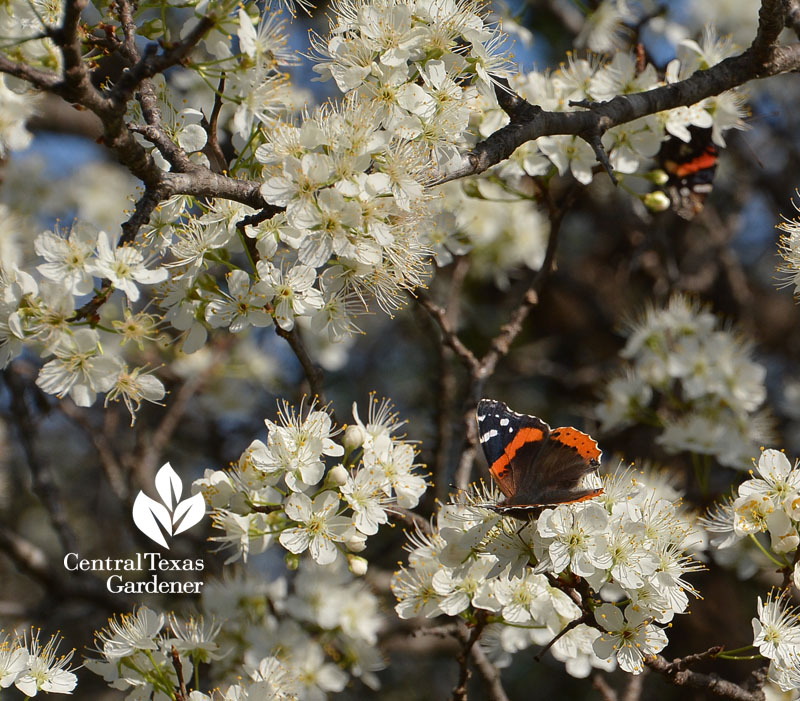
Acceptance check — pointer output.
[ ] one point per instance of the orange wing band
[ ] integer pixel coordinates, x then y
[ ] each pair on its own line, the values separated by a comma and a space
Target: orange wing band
705, 160
585, 445
525, 435
591, 495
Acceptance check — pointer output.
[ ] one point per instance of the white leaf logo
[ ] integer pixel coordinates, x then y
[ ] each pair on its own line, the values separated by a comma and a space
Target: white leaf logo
151, 516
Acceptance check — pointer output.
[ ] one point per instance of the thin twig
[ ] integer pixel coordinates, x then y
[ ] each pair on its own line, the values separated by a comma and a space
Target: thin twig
108, 460
599, 682
145, 206
566, 629
180, 693
212, 129
490, 675
460, 691
501, 343
408, 518
313, 372
447, 383
254, 220
439, 315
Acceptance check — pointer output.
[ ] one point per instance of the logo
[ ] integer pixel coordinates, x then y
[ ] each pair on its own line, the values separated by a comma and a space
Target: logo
532, 464
151, 573
171, 516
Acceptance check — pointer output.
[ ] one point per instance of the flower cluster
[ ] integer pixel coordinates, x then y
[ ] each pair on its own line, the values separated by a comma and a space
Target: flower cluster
271, 639
318, 624
631, 146
420, 67
354, 217
693, 378
40, 313
530, 582
33, 667
283, 491
502, 231
354, 200
776, 634
768, 502
136, 652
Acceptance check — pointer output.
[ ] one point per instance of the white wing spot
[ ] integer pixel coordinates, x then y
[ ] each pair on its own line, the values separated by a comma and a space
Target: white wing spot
511, 429
488, 435
504, 422
481, 417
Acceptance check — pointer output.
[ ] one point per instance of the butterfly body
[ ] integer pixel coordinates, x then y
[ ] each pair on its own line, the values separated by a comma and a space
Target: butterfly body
533, 465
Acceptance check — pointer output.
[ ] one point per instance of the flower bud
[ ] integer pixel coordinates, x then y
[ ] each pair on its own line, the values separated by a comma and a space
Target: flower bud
338, 475
356, 542
358, 565
354, 437
292, 561
658, 176
656, 201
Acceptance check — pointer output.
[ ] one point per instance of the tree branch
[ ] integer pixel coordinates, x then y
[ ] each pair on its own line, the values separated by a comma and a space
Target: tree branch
771, 21
678, 674
756, 62
489, 673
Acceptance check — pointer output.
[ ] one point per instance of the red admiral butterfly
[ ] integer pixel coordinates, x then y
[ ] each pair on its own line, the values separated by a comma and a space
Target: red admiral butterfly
690, 167
534, 465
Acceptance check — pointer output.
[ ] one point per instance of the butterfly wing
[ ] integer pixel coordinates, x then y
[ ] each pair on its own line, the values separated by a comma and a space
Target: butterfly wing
511, 443
563, 460
690, 167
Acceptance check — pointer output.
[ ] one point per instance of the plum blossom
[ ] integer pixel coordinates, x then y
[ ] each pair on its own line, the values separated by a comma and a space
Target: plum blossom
79, 369
45, 671
630, 637
244, 305
319, 528
124, 266
67, 258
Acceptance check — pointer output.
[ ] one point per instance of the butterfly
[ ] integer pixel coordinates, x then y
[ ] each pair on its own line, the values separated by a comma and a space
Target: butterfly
690, 167
532, 464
